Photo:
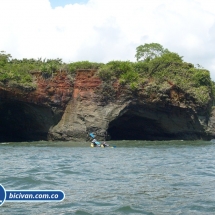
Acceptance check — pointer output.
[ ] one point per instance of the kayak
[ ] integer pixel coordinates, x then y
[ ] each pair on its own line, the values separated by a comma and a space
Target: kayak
94, 145
102, 146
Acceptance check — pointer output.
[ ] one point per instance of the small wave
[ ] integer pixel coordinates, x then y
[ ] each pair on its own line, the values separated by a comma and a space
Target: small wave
4, 143
82, 212
127, 209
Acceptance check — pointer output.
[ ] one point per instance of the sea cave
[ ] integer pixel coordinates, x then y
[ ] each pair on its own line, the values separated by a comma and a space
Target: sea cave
21, 121
138, 123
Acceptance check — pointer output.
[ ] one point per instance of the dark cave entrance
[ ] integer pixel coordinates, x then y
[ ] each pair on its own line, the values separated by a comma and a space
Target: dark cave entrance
20, 121
131, 126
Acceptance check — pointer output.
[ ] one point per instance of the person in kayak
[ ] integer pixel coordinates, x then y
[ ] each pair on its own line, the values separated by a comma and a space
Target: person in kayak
104, 144
94, 141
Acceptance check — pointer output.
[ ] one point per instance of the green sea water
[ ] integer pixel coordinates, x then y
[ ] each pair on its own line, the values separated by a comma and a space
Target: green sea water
136, 177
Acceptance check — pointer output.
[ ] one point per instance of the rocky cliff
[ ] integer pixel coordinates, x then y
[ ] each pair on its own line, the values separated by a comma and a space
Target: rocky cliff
65, 108
28, 114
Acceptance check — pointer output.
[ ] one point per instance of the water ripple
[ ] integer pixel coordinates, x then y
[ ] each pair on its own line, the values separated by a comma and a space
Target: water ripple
166, 177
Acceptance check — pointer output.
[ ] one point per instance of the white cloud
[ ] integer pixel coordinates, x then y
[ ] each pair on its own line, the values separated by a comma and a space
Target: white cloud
104, 30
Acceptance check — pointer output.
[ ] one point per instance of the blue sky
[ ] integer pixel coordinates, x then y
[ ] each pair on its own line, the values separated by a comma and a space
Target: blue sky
105, 30
56, 3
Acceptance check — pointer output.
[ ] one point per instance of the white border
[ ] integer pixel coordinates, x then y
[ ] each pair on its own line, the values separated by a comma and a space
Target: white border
48, 200
4, 196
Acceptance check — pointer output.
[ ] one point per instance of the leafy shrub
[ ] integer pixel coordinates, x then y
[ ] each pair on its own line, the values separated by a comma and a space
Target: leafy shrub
213, 89
129, 77
164, 61
120, 67
44, 68
4, 58
134, 86
83, 65
106, 73
142, 67
201, 77
202, 94
186, 65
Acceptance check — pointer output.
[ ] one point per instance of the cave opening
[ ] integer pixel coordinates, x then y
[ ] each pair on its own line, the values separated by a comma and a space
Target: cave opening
20, 121
133, 126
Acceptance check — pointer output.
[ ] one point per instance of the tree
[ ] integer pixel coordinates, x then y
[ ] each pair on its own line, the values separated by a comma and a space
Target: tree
4, 58
149, 51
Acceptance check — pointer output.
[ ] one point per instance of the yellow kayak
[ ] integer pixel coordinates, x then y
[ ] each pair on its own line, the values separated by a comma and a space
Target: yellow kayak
92, 145
102, 145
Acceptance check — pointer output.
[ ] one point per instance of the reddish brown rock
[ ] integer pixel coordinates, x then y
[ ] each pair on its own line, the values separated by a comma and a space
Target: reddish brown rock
56, 91
63, 107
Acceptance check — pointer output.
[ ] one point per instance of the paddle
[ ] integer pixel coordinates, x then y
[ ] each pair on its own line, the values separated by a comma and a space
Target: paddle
92, 135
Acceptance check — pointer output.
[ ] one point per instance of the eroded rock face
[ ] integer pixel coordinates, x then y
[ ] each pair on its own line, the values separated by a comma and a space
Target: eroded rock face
62, 109
27, 115
211, 124
129, 116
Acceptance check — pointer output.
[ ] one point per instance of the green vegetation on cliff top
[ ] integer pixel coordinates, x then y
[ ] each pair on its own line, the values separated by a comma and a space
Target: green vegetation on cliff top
155, 70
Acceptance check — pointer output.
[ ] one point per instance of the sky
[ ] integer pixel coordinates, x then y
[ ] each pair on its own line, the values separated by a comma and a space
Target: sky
105, 30
62, 3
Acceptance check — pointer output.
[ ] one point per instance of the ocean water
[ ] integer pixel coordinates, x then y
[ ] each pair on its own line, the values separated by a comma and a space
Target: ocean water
136, 177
